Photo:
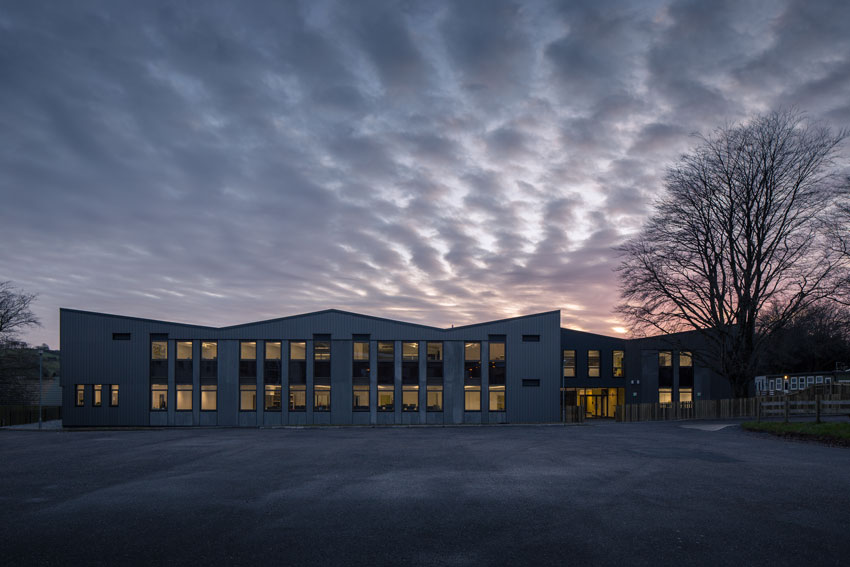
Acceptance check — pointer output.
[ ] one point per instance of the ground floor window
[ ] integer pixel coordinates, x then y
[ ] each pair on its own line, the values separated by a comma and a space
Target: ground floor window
248, 397
273, 398
472, 398
159, 397
98, 395
80, 399
597, 402
321, 398
209, 397
297, 397
386, 397
665, 395
184, 397
686, 395
434, 398
361, 397
113, 395
410, 398
497, 398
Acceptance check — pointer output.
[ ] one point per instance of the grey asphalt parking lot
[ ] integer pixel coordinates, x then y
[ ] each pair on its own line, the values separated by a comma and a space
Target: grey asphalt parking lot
604, 493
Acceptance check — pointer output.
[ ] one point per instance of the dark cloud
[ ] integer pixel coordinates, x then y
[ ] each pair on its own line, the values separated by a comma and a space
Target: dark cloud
442, 162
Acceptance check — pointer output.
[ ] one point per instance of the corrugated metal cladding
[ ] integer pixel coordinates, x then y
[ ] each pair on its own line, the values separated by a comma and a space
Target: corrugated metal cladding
96, 351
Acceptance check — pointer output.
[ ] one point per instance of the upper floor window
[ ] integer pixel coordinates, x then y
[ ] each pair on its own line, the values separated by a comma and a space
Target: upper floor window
618, 363
569, 364
184, 350
593, 360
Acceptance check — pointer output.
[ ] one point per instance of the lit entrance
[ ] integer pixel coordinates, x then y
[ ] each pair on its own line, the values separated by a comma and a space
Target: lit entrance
597, 402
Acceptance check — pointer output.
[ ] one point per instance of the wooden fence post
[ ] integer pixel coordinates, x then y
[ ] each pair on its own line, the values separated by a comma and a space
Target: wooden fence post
817, 408
787, 408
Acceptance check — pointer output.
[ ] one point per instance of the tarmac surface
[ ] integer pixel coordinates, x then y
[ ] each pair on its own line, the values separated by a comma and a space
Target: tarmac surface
597, 494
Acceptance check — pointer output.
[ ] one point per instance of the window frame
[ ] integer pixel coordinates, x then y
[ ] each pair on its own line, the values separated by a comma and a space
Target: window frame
79, 401
594, 368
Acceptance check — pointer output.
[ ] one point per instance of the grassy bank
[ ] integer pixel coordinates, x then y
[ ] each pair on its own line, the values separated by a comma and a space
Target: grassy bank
831, 433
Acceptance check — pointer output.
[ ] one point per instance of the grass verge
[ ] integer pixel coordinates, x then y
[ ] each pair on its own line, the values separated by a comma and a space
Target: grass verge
830, 433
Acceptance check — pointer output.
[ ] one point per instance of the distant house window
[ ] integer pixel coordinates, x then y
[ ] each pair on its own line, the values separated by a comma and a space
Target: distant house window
97, 401
80, 400
120, 336
618, 363
593, 359
531, 338
113, 395
569, 364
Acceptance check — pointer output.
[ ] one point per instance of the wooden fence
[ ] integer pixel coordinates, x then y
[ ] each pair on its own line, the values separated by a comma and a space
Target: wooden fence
572, 414
773, 406
18, 415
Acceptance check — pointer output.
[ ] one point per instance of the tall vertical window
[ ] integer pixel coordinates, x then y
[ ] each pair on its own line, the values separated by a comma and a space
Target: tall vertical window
593, 359
322, 374
569, 364
248, 376
496, 376
434, 377
360, 375
272, 376
297, 375
386, 376
183, 375
80, 398
665, 376
113, 395
472, 376
686, 376
159, 375
410, 376
97, 399
209, 375
618, 363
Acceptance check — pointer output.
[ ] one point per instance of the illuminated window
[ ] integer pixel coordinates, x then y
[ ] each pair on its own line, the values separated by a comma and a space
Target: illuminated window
618, 365
297, 375
209, 375
209, 397
97, 400
569, 363
686, 395
410, 376
113, 395
434, 376
593, 359
184, 350
184, 397
386, 376
496, 376
159, 396
247, 397
272, 398
665, 395
159, 350
472, 376
360, 378
321, 373
80, 400
273, 350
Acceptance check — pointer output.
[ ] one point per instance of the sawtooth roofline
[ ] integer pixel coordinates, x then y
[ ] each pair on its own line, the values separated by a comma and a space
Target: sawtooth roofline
312, 313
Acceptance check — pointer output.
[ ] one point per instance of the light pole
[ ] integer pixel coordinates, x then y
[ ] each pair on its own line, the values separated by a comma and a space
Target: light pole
40, 352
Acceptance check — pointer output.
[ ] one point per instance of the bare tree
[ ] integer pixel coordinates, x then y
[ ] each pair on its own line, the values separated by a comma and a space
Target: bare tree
740, 230
15, 312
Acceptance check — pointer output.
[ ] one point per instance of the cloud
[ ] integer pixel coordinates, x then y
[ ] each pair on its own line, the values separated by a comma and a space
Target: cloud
445, 162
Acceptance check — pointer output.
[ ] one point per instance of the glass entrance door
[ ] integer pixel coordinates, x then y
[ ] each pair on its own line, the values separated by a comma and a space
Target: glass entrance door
595, 404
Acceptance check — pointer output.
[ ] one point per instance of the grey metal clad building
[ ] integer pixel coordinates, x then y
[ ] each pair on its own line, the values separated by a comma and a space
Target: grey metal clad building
335, 367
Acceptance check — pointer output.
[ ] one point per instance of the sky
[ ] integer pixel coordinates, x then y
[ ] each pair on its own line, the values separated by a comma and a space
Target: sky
436, 162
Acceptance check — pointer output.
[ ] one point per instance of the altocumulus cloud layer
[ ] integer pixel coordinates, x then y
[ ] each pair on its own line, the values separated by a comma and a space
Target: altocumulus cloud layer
437, 162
